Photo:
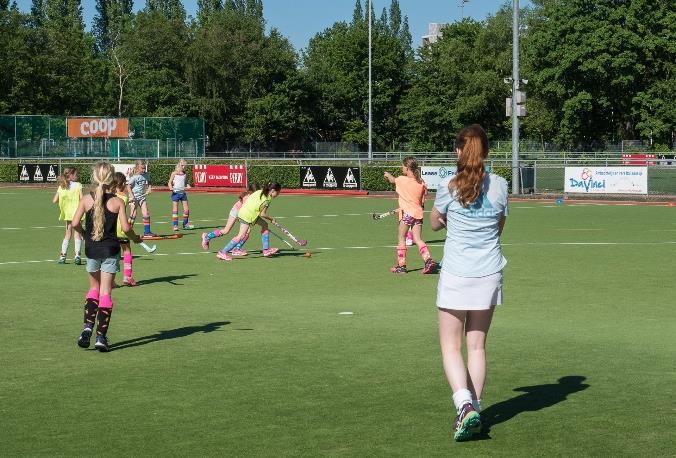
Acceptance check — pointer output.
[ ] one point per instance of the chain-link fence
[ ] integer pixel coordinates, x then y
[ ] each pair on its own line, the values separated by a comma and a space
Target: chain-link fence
47, 137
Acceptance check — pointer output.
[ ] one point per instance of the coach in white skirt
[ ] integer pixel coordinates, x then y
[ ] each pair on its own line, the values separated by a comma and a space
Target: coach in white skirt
472, 206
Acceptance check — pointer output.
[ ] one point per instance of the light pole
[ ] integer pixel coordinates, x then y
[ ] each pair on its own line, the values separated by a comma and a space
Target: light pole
515, 87
370, 91
462, 9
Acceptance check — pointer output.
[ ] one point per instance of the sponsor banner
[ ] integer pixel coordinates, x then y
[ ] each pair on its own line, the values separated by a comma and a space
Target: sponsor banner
432, 176
606, 180
98, 127
322, 177
638, 159
223, 176
38, 173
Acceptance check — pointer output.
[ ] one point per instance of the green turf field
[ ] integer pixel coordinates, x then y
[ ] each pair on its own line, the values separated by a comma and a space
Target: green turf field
252, 357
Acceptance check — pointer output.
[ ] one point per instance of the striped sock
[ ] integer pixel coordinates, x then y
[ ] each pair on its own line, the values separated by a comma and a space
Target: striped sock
186, 218
174, 219
401, 255
242, 242
265, 238
424, 252
146, 224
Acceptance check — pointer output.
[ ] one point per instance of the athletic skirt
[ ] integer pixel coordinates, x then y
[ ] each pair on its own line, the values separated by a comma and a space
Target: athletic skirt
469, 293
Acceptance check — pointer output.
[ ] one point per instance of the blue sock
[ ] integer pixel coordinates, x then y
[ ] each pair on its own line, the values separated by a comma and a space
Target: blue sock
230, 246
265, 238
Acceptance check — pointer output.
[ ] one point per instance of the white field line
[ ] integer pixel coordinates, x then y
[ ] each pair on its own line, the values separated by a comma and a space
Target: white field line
4, 263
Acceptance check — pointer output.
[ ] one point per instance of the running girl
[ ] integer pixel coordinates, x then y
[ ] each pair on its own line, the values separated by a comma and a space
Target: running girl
103, 210
232, 219
120, 187
178, 185
68, 196
254, 211
411, 191
474, 206
139, 188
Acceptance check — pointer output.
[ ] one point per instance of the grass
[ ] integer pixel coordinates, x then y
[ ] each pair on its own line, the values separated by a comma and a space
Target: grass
252, 357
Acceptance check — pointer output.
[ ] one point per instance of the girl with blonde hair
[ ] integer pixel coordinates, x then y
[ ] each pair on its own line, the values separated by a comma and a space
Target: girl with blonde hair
178, 184
472, 207
102, 211
138, 186
67, 197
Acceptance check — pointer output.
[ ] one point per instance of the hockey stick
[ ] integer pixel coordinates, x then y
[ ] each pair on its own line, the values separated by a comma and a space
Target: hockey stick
286, 232
162, 237
148, 248
377, 216
282, 239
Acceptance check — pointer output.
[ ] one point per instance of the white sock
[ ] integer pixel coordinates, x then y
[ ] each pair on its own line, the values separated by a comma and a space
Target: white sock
476, 403
78, 246
461, 397
64, 246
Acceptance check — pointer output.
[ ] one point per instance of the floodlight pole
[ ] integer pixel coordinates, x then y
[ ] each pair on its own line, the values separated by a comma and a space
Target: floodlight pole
515, 87
370, 90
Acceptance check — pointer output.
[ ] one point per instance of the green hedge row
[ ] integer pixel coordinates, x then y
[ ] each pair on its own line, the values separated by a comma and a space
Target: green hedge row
288, 175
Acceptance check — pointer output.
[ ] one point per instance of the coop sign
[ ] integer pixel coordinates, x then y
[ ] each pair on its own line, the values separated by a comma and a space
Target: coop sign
98, 127
606, 180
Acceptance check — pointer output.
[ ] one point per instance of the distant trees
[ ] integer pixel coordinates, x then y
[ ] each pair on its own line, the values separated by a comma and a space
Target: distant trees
598, 72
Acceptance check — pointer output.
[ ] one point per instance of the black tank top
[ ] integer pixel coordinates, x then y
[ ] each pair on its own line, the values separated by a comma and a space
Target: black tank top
109, 245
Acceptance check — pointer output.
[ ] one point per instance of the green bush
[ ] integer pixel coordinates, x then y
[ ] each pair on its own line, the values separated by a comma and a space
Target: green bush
286, 175
8, 172
373, 179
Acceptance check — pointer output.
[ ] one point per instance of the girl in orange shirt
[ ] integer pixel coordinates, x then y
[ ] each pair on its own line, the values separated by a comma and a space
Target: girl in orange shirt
411, 191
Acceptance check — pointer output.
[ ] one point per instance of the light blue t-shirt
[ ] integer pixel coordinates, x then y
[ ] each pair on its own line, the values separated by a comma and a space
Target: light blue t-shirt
472, 246
138, 184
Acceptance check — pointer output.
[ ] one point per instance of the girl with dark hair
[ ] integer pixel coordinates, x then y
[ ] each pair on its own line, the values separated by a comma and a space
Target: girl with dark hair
254, 211
472, 206
411, 190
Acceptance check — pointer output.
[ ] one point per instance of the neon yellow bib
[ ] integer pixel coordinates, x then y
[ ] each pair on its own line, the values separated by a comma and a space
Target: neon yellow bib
125, 199
69, 199
251, 209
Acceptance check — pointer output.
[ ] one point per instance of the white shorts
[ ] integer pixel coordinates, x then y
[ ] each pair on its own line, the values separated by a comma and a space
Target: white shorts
469, 293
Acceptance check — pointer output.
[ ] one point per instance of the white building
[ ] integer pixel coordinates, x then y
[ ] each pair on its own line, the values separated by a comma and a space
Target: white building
433, 33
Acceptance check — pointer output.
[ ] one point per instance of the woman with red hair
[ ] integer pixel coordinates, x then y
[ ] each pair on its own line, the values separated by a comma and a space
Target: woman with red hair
472, 206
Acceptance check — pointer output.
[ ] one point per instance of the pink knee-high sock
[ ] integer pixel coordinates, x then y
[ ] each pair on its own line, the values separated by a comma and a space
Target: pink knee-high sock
424, 252
92, 294
128, 260
401, 255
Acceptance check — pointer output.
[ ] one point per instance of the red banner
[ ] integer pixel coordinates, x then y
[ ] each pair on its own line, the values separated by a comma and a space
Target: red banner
638, 159
222, 176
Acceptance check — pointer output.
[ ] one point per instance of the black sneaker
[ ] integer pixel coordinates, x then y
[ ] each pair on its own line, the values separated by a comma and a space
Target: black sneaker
398, 269
101, 343
430, 267
83, 340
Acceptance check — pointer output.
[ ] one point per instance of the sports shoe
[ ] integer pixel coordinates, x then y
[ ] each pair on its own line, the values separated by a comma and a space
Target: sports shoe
62, 259
409, 238
77, 260
148, 235
101, 343
398, 269
270, 252
188, 227
238, 252
430, 267
83, 340
175, 228
466, 423
224, 256
205, 241
129, 281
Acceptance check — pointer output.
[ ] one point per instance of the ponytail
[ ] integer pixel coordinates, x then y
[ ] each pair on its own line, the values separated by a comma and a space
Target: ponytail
410, 163
63, 179
269, 187
102, 178
473, 145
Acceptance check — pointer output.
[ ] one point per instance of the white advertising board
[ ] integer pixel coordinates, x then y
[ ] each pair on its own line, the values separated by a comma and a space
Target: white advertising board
432, 176
606, 180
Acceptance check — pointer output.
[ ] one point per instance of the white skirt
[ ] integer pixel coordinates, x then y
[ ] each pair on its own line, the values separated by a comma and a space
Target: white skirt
469, 293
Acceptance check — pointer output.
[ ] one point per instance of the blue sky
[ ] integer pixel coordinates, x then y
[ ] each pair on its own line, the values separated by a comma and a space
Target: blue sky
300, 20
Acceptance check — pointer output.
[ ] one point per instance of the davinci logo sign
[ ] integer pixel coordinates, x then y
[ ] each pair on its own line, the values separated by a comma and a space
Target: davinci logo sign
98, 127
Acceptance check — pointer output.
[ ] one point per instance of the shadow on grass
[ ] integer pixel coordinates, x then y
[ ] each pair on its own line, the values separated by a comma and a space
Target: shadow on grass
534, 398
167, 279
167, 335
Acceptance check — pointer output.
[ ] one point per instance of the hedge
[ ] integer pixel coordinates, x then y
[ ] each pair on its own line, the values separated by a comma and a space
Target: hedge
285, 173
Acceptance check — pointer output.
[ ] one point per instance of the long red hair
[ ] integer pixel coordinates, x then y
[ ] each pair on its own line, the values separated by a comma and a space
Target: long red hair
473, 145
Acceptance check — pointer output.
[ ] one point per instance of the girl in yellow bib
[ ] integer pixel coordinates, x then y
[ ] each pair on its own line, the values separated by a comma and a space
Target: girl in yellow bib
120, 188
67, 197
254, 211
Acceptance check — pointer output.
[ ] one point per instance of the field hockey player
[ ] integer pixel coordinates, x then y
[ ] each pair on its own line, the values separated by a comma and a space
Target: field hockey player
139, 187
255, 211
120, 187
177, 184
68, 196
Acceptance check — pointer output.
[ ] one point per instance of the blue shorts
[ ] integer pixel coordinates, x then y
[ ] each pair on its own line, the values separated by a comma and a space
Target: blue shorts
179, 196
109, 265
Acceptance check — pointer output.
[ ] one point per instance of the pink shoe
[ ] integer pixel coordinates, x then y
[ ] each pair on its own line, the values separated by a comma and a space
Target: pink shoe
129, 281
270, 251
223, 256
205, 241
238, 252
